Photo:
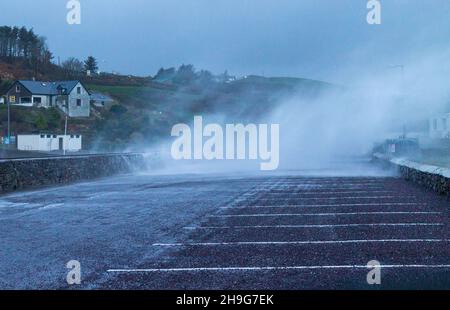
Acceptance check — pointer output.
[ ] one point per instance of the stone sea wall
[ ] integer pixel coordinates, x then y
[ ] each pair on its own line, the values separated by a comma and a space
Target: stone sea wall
432, 177
21, 174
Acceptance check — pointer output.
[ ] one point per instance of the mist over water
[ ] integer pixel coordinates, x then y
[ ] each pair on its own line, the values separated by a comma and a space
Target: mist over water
373, 106
341, 125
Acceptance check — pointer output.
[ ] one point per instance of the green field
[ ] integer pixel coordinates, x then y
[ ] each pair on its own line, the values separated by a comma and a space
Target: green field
118, 91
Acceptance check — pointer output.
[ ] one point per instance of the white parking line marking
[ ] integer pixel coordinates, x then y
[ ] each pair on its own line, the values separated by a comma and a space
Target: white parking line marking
323, 214
331, 183
326, 193
280, 268
327, 186
333, 205
339, 198
318, 226
320, 191
310, 188
301, 242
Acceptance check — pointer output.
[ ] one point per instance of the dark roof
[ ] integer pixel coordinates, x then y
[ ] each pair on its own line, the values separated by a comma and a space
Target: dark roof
101, 97
48, 88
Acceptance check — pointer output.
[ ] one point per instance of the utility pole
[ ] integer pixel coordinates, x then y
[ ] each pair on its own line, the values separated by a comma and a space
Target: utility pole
65, 137
9, 122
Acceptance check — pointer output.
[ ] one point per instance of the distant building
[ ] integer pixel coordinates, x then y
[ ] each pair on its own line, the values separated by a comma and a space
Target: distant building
101, 100
69, 96
225, 78
439, 126
400, 147
49, 143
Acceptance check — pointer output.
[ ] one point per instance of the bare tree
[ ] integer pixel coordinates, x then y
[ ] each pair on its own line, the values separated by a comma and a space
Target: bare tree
73, 67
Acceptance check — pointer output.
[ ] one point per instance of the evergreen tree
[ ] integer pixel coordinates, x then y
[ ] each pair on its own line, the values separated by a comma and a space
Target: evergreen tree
90, 64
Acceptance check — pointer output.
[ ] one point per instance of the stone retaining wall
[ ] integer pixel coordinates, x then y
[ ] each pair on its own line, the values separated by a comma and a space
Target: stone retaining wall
27, 173
432, 177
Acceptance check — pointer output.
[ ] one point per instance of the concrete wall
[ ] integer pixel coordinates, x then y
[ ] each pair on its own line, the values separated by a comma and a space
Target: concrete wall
28, 173
48, 143
431, 177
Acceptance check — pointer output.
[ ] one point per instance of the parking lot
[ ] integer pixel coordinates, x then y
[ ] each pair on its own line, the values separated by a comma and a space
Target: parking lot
227, 231
307, 233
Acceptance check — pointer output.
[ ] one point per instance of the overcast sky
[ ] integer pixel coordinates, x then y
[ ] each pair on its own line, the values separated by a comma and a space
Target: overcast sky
304, 38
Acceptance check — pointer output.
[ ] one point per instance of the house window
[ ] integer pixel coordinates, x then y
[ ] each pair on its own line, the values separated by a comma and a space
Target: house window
37, 100
78, 90
12, 99
42, 136
25, 100
17, 89
49, 136
78, 102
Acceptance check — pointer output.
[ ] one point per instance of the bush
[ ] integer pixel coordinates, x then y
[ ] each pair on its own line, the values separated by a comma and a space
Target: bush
41, 122
54, 118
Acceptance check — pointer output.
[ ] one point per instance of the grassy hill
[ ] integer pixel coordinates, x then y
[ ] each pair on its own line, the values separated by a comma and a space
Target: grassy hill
145, 114
31, 120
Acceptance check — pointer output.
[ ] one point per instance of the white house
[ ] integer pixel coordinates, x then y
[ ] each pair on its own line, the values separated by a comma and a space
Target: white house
49, 143
439, 126
72, 97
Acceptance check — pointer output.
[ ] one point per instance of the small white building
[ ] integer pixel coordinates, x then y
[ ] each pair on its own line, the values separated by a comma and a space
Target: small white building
101, 100
49, 143
440, 126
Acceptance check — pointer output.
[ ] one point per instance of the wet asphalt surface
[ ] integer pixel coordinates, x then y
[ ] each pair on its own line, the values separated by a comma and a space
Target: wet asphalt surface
286, 231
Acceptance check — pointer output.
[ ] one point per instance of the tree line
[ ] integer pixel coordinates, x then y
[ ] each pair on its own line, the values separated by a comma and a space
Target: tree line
187, 75
23, 43
73, 67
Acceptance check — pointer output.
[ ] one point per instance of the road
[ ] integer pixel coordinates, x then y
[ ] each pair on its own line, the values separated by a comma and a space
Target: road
291, 230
